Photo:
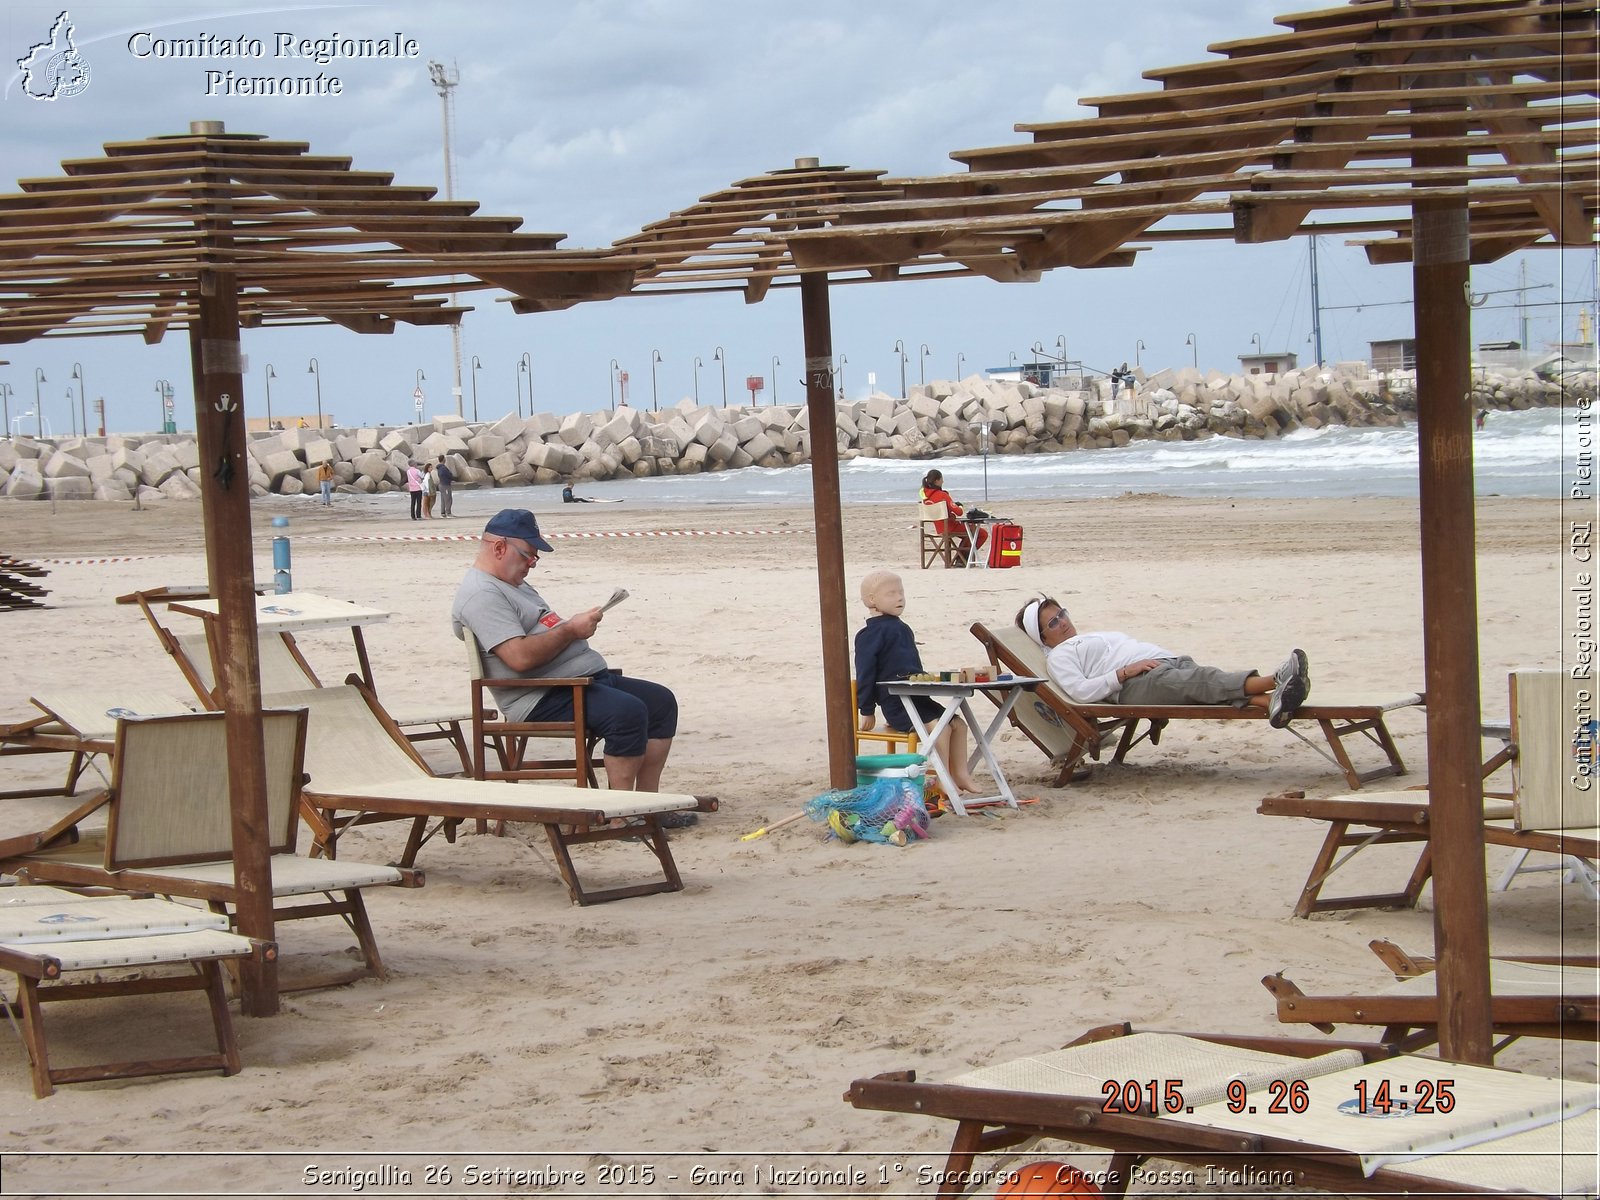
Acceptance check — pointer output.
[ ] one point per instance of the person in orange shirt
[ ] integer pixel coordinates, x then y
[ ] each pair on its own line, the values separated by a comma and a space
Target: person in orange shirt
933, 493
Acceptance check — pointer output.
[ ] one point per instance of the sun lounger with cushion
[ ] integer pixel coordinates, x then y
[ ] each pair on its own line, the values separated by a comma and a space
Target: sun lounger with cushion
1070, 732
1265, 1111
169, 830
363, 770
47, 933
1548, 810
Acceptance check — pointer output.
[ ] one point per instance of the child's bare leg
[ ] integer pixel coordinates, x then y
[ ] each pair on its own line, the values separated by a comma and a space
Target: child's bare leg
953, 749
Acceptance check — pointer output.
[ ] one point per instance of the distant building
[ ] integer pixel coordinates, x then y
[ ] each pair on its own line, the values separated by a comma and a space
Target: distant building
1396, 354
1268, 363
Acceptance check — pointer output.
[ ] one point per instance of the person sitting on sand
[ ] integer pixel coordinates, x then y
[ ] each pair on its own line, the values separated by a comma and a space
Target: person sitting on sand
568, 496
1113, 668
521, 637
886, 652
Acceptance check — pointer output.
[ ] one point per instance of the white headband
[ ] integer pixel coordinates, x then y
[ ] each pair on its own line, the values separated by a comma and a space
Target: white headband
1030, 621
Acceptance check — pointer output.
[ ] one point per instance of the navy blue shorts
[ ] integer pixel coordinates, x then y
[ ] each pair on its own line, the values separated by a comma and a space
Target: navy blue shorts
896, 718
625, 711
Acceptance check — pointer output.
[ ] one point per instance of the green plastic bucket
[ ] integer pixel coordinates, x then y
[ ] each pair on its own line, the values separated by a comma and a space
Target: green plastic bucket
872, 767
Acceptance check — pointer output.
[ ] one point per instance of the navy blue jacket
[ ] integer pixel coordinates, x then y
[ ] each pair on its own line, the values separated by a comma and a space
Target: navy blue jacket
886, 652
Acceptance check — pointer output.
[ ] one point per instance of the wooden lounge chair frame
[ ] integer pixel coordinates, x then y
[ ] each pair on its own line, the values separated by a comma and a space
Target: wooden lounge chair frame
993, 1119
1537, 750
1086, 729
509, 739
188, 852
932, 545
200, 670
374, 775
1567, 1006
40, 969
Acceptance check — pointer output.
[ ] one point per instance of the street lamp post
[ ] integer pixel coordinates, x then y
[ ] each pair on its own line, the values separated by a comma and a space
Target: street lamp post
162, 388
697, 365
315, 370
900, 349
1138, 349
72, 417
922, 365
266, 380
477, 365
655, 402
525, 364
960, 358
840, 374
38, 404
1190, 341
611, 380
718, 357
1013, 360
83, 403
5, 402
1255, 339
416, 394
774, 378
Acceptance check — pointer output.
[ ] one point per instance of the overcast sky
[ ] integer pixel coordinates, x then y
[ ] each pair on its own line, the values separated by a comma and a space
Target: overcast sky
594, 118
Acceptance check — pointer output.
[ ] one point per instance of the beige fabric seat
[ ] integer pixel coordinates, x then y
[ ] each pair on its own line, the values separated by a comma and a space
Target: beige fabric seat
47, 933
362, 770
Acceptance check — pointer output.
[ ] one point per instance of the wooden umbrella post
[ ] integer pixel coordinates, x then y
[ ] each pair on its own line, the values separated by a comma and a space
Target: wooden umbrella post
1440, 274
230, 570
820, 411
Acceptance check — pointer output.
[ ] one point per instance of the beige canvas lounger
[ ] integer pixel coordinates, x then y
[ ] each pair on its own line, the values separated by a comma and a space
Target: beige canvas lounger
169, 831
81, 724
47, 933
1550, 808
1069, 732
362, 769
1275, 1111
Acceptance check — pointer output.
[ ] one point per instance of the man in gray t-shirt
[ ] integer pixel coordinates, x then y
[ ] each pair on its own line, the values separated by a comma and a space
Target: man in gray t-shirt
520, 637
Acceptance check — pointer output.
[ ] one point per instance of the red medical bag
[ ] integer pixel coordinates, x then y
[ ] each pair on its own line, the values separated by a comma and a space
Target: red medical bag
1005, 545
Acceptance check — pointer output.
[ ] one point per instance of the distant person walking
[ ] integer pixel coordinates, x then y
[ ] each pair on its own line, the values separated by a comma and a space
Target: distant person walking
446, 479
325, 482
1483, 415
414, 486
430, 489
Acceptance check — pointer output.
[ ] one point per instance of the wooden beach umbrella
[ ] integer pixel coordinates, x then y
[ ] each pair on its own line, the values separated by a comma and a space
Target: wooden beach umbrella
1443, 132
212, 232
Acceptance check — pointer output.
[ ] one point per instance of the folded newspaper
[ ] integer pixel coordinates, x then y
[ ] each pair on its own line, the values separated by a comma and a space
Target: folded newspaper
617, 597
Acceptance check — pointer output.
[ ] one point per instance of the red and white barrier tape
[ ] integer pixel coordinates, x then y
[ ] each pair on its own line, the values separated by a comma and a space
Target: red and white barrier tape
610, 533
77, 562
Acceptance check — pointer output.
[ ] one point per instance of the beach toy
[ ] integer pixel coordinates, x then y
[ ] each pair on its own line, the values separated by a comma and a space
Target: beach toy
886, 811
1047, 1179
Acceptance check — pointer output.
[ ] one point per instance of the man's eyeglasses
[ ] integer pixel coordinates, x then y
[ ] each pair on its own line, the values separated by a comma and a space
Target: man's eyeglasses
528, 556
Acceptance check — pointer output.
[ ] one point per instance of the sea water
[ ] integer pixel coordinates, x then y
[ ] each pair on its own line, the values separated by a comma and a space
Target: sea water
1514, 454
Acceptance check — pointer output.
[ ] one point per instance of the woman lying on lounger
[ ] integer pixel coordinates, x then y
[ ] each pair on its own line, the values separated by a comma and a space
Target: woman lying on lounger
1113, 668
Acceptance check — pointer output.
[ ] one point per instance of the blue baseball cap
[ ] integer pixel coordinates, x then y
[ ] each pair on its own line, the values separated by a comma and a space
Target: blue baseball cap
518, 523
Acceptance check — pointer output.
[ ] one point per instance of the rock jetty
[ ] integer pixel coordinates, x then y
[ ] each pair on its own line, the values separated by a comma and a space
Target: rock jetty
936, 420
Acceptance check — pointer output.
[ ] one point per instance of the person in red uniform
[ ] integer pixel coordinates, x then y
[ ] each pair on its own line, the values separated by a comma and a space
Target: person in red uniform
933, 493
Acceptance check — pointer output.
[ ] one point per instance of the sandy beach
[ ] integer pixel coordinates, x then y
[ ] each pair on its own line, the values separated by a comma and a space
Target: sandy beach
720, 1026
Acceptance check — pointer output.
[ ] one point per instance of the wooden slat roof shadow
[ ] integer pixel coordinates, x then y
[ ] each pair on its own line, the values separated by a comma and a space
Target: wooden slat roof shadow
1247, 145
114, 244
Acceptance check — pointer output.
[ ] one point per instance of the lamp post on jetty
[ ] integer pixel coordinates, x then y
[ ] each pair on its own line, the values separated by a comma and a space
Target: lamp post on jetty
611, 379
315, 369
1190, 341
922, 364
1138, 349
960, 358
476, 366
697, 366
83, 403
38, 404
900, 349
774, 378
525, 367
839, 374
718, 357
655, 404
5, 404
266, 381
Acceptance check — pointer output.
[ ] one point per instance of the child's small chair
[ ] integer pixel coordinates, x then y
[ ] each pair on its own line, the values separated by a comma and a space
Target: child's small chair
891, 738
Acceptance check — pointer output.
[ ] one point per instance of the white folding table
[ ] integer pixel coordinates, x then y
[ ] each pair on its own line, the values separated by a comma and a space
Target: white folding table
955, 700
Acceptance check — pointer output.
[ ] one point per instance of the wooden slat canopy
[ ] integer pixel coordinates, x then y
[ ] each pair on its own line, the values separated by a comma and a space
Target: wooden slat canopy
113, 244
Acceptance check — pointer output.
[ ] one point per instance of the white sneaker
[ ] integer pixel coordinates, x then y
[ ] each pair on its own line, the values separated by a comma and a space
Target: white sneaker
1294, 686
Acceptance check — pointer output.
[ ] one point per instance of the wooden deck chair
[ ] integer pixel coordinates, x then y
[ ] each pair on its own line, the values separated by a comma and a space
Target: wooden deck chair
284, 668
1551, 808
81, 725
361, 766
1069, 732
170, 831
1257, 1111
932, 544
1549, 999
509, 740
47, 933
